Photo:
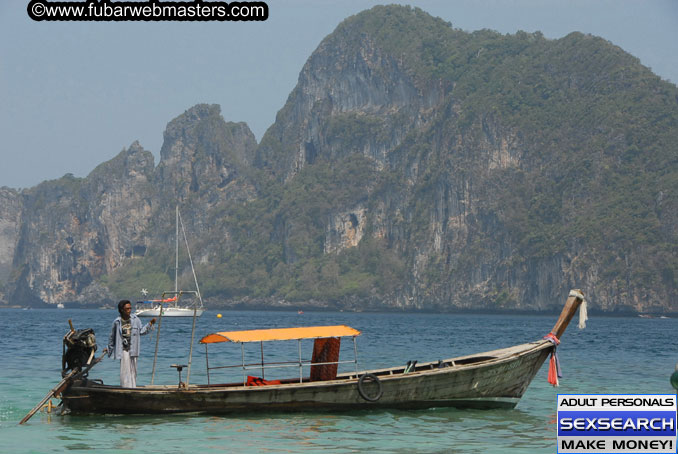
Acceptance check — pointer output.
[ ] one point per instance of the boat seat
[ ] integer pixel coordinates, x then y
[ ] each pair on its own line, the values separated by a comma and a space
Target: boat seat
258, 381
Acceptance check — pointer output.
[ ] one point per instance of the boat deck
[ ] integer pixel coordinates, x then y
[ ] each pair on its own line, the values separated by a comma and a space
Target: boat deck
424, 368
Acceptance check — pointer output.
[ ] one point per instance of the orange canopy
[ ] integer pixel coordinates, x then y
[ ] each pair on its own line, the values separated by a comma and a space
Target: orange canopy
259, 335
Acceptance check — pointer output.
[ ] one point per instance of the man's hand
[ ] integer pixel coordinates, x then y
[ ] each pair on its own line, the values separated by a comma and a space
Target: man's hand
153, 321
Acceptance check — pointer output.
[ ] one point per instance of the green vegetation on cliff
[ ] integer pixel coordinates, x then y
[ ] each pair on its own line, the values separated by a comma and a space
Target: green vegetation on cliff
419, 165
588, 141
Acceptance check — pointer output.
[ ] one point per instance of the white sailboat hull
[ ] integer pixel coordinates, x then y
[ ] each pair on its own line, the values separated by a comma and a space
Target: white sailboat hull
169, 312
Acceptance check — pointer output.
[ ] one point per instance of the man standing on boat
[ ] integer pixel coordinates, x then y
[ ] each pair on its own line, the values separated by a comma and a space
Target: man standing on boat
124, 343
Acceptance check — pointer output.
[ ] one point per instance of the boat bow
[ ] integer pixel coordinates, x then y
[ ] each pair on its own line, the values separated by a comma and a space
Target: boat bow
574, 301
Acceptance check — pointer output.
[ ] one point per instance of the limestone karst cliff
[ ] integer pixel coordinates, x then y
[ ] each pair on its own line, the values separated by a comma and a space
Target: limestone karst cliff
10, 221
414, 166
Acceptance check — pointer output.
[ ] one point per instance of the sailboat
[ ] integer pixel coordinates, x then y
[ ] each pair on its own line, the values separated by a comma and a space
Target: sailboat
170, 301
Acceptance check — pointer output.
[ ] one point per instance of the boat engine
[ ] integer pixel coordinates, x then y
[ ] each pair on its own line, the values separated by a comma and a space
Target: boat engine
78, 349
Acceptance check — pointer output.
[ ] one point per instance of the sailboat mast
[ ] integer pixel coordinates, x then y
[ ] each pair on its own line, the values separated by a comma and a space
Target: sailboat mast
176, 251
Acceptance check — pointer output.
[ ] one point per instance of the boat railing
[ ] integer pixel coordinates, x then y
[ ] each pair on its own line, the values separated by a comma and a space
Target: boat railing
263, 366
275, 365
324, 363
179, 293
141, 306
169, 302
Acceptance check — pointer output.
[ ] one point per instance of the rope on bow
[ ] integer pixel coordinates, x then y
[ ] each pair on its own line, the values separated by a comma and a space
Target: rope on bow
554, 363
583, 312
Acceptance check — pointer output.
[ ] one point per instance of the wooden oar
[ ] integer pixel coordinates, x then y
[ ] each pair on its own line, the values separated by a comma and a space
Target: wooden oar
57, 389
63, 384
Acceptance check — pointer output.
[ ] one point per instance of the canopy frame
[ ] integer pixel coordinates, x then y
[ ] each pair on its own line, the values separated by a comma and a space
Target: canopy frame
284, 334
278, 334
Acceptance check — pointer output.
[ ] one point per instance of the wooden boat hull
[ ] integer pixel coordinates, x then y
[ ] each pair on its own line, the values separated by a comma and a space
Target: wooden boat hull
495, 379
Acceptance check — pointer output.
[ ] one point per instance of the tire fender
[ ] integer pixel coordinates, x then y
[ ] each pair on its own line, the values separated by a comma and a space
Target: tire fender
361, 390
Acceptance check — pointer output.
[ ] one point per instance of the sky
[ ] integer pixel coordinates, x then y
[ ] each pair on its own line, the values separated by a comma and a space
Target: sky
74, 94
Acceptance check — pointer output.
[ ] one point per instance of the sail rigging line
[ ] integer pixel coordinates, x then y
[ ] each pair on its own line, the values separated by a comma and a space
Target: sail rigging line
190, 259
197, 288
176, 250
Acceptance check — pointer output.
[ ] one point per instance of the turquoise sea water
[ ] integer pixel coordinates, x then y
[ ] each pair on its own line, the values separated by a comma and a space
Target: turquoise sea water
613, 355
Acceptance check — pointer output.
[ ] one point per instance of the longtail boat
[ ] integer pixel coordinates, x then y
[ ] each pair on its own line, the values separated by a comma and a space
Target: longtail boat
492, 379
